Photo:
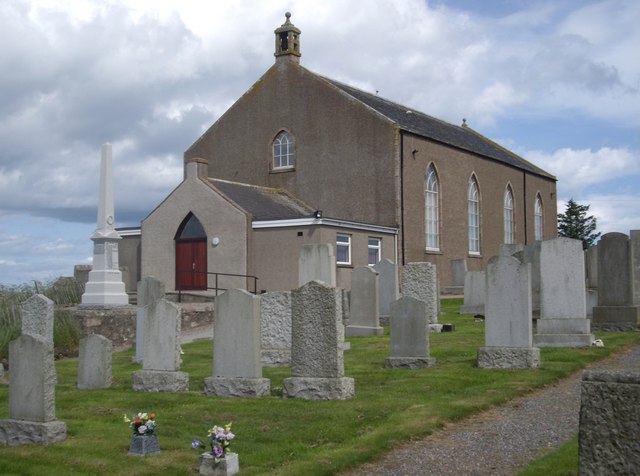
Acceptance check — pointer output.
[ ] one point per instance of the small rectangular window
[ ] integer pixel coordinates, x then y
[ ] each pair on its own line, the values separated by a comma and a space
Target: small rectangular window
343, 249
373, 249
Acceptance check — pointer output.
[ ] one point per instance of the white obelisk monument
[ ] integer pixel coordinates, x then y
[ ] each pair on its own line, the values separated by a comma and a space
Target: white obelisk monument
105, 286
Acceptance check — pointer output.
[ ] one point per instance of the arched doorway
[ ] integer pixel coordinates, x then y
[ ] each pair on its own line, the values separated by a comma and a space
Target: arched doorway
191, 255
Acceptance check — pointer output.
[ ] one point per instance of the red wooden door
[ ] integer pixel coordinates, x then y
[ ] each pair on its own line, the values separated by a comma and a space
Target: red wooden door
191, 265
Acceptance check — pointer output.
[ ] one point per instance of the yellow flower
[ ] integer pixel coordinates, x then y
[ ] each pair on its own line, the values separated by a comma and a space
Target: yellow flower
126, 419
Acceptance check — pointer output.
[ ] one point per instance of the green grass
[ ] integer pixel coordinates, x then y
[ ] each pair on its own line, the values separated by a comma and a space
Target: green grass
289, 437
562, 461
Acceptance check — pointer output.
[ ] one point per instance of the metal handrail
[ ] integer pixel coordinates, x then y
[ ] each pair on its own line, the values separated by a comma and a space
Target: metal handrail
216, 288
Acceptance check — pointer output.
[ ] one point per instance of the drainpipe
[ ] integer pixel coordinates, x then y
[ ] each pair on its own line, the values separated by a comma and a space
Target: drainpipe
402, 197
524, 183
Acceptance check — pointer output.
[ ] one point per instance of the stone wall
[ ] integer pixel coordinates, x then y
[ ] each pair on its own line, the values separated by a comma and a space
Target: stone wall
119, 323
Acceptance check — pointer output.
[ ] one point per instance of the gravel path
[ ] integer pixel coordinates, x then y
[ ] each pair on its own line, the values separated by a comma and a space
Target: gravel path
500, 441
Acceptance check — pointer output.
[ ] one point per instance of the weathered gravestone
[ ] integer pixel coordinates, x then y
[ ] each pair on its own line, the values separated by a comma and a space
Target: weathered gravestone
32, 416
317, 338
37, 317
458, 273
364, 318
617, 309
317, 262
237, 371
508, 322
409, 335
150, 291
161, 361
420, 281
94, 362
474, 293
563, 314
387, 287
609, 422
275, 323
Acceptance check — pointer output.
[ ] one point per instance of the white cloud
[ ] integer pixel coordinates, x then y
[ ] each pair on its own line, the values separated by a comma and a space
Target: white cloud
580, 169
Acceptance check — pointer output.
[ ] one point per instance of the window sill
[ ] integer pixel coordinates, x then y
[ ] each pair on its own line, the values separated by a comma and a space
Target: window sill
282, 170
474, 255
344, 265
432, 252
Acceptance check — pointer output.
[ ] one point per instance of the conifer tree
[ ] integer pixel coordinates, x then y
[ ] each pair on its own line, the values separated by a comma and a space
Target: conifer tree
574, 223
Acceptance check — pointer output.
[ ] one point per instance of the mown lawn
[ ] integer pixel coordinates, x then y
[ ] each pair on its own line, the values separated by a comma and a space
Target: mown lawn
288, 437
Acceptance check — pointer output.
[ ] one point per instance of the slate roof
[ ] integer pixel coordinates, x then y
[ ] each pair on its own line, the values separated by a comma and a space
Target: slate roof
263, 203
461, 137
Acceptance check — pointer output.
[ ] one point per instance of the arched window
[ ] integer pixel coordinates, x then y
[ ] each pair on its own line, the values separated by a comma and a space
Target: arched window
431, 210
537, 213
473, 209
509, 225
284, 151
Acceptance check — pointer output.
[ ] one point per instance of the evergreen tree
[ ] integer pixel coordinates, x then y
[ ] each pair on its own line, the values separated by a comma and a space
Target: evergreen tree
574, 223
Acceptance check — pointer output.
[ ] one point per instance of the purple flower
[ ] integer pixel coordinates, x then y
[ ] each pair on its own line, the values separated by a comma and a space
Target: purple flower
218, 452
195, 444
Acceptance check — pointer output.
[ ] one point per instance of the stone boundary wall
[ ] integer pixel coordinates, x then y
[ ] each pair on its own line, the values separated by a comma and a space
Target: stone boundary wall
119, 323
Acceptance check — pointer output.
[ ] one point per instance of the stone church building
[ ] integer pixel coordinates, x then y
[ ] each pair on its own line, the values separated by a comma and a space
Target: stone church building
302, 159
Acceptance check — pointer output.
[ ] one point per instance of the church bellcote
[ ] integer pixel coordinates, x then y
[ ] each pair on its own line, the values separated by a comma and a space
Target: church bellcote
287, 41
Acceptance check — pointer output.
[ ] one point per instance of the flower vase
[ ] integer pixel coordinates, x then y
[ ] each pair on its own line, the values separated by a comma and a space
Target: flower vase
144, 445
225, 467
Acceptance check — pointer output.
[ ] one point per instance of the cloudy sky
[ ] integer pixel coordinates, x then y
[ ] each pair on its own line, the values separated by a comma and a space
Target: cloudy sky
556, 81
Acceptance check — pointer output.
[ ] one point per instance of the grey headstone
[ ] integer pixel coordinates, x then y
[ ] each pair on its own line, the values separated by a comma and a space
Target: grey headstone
37, 317
617, 269
275, 316
474, 292
609, 422
458, 271
317, 339
150, 291
420, 280
591, 266
634, 258
508, 320
162, 337
510, 249
317, 263
508, 303
161, 361
237, 370
563, 310
409, 335
94, 362
364, 318
387, 285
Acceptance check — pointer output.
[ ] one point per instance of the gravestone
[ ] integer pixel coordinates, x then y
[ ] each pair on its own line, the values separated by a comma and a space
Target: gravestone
94, 362
387, 287
150, 291
275, 324
317, 339
508, 323
161, 361
409, 335
474, 293
563, 314
237, 371
609, 422
32, 417
616, 309
458, 273
37, 317
317, 262
634, 258
420, 280
509, 249
364, 319
591, 266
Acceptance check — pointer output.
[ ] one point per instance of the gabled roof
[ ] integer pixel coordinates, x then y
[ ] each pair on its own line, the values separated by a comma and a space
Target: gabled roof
461, 137
263, 203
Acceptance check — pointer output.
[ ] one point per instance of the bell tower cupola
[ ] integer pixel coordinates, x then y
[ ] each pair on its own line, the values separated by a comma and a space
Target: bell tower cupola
287, 42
